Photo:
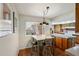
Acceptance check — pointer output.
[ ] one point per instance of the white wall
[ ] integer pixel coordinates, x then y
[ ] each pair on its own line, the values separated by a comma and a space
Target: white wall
9, 44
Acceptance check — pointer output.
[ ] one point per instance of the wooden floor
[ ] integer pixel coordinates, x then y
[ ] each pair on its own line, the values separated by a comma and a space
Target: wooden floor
27, 52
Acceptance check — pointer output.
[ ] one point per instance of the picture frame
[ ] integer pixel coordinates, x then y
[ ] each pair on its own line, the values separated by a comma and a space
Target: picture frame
6, 12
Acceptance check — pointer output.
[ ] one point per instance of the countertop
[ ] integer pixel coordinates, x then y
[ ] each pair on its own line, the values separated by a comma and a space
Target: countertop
42, 37
63, 35
73, 51
76, 34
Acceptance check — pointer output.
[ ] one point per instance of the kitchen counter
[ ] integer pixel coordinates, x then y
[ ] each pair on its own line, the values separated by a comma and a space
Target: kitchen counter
63, 35
64, 41
76, 34
73, 51
77, 37
61, 41
42, 37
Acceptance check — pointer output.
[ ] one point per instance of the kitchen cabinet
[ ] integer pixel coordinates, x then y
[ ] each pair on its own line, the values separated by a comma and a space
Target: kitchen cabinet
64, 43
58, 28
77, 23
59, 42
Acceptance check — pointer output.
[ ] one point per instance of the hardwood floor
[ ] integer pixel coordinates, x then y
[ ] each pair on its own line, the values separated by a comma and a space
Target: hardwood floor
27, 52
24, 52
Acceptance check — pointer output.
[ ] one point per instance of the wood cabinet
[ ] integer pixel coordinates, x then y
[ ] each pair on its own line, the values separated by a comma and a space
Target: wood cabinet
58, 28
64, 43
77, 39
77, 22
59, 42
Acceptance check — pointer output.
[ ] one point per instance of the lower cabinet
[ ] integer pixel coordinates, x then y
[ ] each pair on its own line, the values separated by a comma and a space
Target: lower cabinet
58, 42
77, 39
64, 43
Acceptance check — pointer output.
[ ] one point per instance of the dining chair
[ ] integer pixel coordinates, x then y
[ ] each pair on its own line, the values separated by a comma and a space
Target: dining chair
48, 49
35, 48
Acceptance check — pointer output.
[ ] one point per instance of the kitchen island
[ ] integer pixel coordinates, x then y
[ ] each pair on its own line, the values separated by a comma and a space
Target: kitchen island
64, 41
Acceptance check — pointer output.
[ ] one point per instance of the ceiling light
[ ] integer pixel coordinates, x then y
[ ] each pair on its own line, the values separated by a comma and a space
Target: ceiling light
44, 14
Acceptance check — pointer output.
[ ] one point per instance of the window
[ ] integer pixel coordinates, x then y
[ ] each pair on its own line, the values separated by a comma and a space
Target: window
6, 22
6, 12
31, 28
34, 28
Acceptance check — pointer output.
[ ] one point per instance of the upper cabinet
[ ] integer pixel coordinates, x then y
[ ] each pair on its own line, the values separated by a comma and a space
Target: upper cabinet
64, 28
69, 26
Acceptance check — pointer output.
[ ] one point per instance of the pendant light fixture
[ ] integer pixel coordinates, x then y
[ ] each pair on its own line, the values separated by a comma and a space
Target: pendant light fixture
44, 14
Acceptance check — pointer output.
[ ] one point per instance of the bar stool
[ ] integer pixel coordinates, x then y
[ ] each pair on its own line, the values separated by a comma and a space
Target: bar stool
35, 48
47, 50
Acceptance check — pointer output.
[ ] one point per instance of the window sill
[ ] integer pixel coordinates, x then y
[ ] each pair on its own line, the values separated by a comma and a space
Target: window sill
4, 33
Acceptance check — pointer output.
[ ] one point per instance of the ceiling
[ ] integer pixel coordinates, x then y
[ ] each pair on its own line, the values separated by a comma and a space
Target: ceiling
36, 9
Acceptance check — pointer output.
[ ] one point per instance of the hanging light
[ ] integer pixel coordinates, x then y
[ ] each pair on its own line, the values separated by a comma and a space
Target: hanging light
45, 13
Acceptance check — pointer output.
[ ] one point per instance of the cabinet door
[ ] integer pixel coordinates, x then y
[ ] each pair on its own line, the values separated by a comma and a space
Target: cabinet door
64, 43
71, 42
77, 39
59, 42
